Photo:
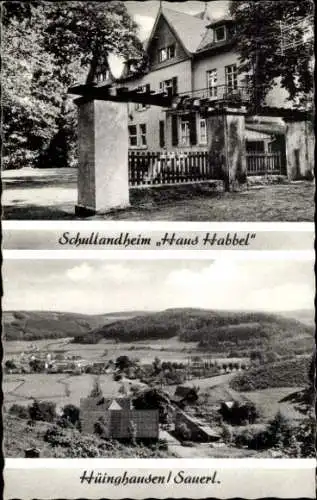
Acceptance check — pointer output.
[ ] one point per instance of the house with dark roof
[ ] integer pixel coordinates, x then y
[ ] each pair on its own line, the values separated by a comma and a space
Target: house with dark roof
192, 57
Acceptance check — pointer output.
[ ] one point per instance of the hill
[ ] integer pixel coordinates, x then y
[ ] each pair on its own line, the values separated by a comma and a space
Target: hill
286, 373
216, 331
306, 316
37, 325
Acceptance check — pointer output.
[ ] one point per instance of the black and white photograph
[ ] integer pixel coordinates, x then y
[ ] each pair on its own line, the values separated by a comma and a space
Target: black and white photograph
156, 110
163, 358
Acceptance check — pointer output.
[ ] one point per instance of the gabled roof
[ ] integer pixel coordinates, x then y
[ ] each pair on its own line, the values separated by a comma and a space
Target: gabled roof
188, 29
114, 406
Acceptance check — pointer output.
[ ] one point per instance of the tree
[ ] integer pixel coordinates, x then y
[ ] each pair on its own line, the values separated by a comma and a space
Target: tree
37, 365
279, 431
157, 365
153, 399
123, 362
46, 47
42, 410
96, 391
71, 413
260, 42
10, 364
239, 413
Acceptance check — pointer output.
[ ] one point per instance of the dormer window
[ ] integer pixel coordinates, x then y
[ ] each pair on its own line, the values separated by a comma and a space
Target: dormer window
220, 34
166, 53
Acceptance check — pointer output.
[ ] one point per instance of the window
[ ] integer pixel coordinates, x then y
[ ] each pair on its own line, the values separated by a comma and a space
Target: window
169, 86
143, 135
133, 136
212, 79
166, 53
163, 55
220, 34
202, 131
135, 139
184, 132
138, 105
231, 77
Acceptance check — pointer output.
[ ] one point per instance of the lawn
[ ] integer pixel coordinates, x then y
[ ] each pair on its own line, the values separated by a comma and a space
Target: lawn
51, 195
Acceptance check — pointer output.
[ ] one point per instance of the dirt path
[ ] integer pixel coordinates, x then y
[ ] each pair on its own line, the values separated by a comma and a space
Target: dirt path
52, 194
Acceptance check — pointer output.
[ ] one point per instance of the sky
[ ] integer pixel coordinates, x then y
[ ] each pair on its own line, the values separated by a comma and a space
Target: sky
102, 286
144, 13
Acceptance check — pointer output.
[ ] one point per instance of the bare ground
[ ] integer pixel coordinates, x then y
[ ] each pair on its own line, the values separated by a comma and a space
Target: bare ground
51, 195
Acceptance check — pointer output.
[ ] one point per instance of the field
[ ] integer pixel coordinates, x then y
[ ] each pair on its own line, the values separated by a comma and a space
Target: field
51, 194
60, 388
269, 402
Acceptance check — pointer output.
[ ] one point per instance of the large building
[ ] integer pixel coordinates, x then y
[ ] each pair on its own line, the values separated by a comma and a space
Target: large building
188, 115
119, 419
191, 57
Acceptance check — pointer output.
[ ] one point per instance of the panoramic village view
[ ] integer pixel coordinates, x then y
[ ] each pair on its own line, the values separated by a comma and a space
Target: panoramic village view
199, 359
158, 111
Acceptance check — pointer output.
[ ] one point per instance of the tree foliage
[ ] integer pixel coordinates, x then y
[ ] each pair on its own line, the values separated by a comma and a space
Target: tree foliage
46, 47
43, 410
259, 45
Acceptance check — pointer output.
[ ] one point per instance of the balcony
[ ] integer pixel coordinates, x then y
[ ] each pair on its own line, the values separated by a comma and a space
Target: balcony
220, 94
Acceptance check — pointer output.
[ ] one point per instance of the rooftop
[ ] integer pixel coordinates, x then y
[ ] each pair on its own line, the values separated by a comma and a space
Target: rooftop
189, 29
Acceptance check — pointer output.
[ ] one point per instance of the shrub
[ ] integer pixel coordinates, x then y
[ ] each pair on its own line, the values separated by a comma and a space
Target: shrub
183, 431
226, 434
101, 427
252, 439
19, 411
239, 413
71, 413
43, 410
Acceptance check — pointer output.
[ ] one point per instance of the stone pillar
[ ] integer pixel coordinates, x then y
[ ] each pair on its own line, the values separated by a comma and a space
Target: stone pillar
103, 177
226, 145
300, 146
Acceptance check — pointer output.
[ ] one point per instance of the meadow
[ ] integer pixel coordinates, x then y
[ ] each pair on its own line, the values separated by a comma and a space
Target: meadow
60, 388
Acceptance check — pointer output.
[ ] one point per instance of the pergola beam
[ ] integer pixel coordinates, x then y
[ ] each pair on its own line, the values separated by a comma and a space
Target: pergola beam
107, 92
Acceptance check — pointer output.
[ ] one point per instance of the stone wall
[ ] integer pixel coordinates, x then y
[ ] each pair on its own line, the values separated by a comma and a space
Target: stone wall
300, 145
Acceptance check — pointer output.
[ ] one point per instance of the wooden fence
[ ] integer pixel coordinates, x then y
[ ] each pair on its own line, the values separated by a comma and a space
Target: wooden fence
265, 164
148, 168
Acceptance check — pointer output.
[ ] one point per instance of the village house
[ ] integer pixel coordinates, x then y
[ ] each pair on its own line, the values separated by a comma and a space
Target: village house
119, 418
193, 429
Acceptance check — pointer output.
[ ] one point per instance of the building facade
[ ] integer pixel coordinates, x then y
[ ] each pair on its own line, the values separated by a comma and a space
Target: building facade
192, 58
119, 419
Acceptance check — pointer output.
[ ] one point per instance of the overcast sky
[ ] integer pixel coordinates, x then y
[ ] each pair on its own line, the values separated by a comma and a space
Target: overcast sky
144, 13
107, 286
